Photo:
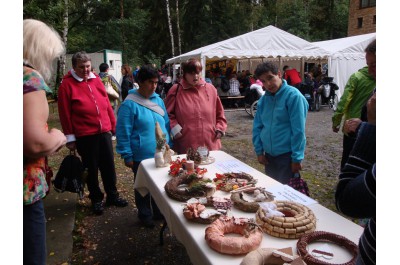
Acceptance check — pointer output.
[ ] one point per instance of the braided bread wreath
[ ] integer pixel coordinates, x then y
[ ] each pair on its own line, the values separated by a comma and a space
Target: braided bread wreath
250, 240
329, 237
298, 220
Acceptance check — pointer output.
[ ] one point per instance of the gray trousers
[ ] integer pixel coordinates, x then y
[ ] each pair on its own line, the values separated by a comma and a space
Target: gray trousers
279, 167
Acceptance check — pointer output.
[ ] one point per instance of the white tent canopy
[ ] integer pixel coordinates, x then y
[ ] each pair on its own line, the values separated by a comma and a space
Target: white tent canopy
346, 56
268, 42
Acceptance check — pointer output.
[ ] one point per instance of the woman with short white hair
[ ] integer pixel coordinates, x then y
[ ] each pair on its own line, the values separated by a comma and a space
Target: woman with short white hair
42, 45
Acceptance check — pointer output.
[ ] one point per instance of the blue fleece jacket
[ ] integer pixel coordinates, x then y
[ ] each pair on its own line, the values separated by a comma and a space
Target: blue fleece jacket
135, 129
279, 124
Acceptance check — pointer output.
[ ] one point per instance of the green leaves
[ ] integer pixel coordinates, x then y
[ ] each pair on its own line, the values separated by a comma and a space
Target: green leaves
140, 28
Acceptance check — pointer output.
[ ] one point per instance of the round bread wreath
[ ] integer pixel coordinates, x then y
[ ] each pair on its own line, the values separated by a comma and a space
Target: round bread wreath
329, 237
195, 209
197, 187
251, 207
298, 220
231, 181
250, 235
194, 213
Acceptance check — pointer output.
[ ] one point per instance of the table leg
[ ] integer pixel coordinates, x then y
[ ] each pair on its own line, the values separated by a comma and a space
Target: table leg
164, 226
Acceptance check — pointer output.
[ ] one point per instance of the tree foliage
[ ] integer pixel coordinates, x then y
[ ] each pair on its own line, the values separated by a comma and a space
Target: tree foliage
140, 28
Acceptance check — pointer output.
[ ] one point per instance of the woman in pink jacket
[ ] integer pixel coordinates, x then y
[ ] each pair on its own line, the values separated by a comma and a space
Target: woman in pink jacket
195, 111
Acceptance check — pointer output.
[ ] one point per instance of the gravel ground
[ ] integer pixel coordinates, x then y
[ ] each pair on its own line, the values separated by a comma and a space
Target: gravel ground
117, 238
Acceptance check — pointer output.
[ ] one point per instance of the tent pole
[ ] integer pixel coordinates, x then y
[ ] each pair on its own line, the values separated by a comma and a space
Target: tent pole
203, 63
302, 68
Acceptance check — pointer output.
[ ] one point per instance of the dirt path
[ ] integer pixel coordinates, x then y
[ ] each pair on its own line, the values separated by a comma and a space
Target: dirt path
116, 237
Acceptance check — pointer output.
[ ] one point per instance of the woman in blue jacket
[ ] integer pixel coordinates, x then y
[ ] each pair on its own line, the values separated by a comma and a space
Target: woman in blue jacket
135, 131
279, 136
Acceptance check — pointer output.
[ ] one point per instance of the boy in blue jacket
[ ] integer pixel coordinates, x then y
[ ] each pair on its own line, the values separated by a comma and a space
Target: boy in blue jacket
279, 137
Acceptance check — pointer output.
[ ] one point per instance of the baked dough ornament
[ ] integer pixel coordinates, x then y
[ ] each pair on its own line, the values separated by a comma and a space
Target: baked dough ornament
250, 239
163, 154
272, 256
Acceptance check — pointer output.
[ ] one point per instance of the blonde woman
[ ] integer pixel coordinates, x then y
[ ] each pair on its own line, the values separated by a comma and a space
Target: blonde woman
42, 45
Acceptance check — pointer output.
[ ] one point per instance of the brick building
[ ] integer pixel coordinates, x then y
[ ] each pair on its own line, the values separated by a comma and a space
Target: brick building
362, 17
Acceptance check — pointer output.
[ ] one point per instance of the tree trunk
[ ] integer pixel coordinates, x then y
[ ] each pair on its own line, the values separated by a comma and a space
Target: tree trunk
170, 29
331, 18
124, 55
178, 27
62, 59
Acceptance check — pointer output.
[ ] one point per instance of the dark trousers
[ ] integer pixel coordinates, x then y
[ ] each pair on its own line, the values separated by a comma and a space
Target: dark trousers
348, 143
97, 154
279, 167
147, 208
34, 234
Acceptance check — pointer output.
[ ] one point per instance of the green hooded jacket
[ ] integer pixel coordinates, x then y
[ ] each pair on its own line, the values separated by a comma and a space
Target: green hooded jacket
355, 95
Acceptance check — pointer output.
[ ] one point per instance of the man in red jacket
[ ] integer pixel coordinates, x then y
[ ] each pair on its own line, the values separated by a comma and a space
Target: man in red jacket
88, 122
291, 76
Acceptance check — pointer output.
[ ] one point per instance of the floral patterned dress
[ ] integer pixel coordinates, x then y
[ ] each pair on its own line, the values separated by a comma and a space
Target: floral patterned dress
35, 186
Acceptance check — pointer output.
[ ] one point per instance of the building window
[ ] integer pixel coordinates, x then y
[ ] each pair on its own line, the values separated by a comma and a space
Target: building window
367, 3
374, 20
359, 22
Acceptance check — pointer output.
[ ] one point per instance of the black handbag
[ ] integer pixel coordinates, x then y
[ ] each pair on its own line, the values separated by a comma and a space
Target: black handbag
69, 175
299, 184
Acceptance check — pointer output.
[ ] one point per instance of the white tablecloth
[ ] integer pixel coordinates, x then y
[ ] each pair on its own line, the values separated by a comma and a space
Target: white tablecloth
191, 235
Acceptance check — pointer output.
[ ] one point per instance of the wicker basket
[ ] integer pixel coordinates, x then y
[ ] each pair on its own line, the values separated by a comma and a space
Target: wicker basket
298, 220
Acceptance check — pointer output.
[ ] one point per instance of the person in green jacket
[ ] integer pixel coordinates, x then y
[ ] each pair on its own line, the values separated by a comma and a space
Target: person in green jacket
358, 90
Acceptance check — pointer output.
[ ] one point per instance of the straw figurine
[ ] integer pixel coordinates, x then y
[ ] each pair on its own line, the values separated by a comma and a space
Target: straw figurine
163, 154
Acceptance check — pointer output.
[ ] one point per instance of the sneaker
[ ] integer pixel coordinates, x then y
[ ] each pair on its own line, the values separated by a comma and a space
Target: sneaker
118, 201
148, 223
98, 208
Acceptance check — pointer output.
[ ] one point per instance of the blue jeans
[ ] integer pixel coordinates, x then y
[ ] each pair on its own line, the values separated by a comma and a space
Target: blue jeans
279, 167
147, 208
34, 234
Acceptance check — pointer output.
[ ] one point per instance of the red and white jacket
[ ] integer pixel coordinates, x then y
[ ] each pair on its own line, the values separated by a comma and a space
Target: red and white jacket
83, 107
